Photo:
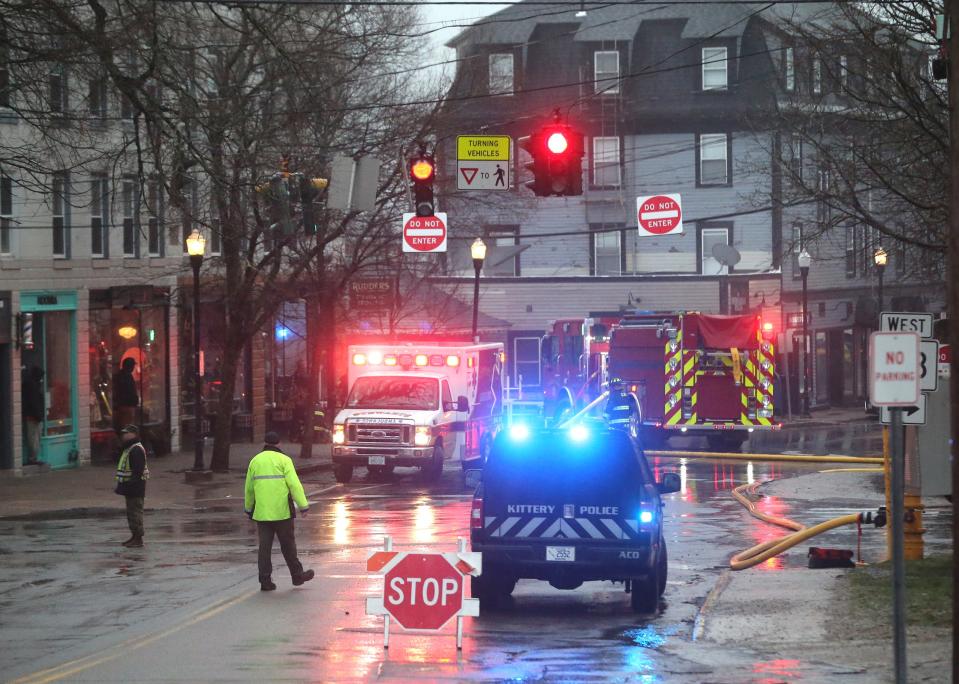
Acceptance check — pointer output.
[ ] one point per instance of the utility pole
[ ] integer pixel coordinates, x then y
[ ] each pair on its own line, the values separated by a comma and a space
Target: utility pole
952, 250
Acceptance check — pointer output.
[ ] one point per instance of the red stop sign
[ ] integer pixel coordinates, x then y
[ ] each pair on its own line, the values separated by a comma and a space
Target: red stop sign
423, 591
659, 215
424, 233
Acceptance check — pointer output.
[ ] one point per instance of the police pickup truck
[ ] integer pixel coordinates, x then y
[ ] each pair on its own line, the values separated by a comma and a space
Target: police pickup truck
568, 506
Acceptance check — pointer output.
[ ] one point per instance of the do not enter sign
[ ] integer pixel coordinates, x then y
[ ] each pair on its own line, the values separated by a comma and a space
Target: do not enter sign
424, 233
659, 215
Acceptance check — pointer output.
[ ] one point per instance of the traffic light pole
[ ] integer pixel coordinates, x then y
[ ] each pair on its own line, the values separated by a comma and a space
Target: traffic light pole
952, 249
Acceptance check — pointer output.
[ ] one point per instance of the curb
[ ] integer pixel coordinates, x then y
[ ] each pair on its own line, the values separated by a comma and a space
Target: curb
699, 625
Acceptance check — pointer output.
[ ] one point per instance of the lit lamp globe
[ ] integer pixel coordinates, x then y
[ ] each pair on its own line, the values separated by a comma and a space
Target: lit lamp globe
804, 259
880, 257
196, 244
478, 250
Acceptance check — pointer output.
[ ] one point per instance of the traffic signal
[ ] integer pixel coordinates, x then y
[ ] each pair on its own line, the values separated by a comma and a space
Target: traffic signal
280, 204
422, 175
557, 152
309, 192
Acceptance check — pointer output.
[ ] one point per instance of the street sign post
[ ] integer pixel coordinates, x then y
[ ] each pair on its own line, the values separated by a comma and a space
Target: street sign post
423, 591
659, 215
482, 162
424, 233
894, 382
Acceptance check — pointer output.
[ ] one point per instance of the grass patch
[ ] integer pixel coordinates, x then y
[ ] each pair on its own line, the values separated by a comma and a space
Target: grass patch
928, 592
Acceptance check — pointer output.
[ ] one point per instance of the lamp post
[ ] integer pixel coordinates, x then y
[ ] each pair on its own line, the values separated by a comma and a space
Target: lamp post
195, 247
880, 258
804, 261
478, 252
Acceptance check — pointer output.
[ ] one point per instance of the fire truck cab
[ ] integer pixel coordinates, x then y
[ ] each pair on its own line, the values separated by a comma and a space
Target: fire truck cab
418, 405
696, 374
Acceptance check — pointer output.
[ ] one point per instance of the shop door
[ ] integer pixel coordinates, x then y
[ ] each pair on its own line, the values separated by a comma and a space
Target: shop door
54, 353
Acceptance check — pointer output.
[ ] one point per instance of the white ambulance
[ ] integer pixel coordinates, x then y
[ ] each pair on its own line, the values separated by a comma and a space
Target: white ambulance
418, 404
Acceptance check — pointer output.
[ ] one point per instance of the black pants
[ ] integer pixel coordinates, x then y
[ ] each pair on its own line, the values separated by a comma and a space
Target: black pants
135, 515
284, 530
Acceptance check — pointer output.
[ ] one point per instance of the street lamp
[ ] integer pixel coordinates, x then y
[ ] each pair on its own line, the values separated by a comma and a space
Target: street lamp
880, 258
478, 252
195, 247
804, 261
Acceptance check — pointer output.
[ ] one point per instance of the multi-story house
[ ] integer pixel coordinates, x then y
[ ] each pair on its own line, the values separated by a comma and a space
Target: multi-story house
682, 99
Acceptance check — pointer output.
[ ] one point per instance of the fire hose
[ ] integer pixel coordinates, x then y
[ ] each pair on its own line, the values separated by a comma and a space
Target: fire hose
766, 550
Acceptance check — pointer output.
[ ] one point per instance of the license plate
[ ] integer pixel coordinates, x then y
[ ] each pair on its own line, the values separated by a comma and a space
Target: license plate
377, 460
563, 554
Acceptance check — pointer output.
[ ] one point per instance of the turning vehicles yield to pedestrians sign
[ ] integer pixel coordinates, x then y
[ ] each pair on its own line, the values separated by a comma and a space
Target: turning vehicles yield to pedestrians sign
482, 162
659, 215
424, 233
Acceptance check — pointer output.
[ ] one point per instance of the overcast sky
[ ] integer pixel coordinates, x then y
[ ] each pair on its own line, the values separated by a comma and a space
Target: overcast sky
435, 16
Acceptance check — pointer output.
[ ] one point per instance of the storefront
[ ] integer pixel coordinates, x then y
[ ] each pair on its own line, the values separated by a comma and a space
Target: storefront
48, 355
129, 323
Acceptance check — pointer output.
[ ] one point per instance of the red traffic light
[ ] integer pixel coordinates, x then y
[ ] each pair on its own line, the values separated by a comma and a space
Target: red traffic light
422, 169
557, 143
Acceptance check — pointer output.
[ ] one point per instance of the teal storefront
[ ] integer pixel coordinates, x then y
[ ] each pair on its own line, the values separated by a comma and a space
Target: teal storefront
49, 344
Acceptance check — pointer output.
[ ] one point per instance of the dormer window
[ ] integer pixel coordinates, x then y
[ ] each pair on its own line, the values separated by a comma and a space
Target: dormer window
789, 69
715, 70
606, 72
501, 73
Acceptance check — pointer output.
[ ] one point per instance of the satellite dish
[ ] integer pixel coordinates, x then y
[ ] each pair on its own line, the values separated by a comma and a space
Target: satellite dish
727, 255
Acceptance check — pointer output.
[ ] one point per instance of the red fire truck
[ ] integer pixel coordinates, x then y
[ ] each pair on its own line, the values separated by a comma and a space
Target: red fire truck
695, 373
574, 358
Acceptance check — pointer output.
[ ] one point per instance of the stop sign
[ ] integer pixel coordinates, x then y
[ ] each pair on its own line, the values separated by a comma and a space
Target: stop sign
659, 215
423, 591
424, 233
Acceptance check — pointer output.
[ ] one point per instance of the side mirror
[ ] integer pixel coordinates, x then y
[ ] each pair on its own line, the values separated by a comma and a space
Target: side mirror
462, 404
669, 484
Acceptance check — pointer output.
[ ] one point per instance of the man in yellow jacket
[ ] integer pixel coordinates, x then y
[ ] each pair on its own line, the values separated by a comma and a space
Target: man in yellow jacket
272, 487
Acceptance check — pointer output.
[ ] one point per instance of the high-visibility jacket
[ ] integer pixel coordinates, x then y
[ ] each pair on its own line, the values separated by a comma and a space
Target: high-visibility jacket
132, 471
271, 482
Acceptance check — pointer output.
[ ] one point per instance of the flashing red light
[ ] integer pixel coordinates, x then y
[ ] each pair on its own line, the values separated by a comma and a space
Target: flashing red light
767, 327
557, 143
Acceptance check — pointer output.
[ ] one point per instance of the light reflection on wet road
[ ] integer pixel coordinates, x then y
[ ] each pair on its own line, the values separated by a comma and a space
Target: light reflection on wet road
320, 632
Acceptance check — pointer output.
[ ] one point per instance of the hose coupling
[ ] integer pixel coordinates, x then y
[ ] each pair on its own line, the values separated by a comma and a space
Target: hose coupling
878, 518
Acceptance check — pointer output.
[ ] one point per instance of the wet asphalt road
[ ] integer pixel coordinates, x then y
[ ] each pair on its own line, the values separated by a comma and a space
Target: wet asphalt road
187, 608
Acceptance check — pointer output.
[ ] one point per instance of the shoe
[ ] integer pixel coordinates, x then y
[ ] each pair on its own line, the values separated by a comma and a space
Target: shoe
267, 586
305, 577
135, 543
127, 542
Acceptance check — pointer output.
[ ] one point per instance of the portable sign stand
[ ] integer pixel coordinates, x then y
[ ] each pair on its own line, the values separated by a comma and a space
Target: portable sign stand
894, 381
422, 591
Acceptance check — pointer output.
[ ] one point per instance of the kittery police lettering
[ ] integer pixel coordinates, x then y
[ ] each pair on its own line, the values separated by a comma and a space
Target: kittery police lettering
529, 508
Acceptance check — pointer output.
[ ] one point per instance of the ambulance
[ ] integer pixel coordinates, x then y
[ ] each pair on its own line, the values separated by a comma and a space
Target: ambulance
418, 404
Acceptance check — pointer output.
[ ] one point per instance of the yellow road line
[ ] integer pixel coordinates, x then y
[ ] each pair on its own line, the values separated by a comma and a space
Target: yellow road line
85, 663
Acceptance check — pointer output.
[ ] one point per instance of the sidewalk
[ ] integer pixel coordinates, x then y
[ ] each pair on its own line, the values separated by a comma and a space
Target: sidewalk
827, 417
88, 490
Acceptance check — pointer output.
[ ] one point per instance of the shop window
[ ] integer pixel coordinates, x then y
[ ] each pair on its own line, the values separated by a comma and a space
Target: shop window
58, 352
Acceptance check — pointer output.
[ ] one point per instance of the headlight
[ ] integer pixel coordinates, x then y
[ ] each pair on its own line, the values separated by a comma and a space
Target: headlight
422, 436
339, 434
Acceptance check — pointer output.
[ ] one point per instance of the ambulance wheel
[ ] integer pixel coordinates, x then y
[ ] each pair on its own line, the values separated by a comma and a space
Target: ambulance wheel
433, 471
380, 472
343, 472
645, 594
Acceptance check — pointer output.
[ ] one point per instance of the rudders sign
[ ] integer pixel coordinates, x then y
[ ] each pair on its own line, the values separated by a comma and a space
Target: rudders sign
424, 233
659, 215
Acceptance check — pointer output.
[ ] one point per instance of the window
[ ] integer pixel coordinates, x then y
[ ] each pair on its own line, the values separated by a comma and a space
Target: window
850, 251
795, 158
57, 81
715, 71
129, 201
843, 72
823, 207
188, 211
860, 248
216, 236
5, 98
6, 214
526, 360
501, 74
97, 98
709, 238
713, 159
606, 72
789, 69
798, 243
61, 215
154, 219
816, 75
99, 216
900, 257
506, 238
606, 253
606, 162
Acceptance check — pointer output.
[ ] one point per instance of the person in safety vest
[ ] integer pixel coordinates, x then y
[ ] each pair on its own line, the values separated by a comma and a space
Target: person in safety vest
272, 487
132, 476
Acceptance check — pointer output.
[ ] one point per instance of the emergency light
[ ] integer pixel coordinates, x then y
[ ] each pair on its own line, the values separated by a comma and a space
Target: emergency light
519, 432
389, 360
375, 357
359, 359
645, 517
578, 433
421, 360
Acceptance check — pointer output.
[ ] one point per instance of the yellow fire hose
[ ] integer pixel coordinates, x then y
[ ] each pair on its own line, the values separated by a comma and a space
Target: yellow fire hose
795, 458
763, 552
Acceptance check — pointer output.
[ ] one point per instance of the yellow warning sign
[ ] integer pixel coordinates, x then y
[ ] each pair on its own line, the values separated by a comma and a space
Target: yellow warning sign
482, 147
